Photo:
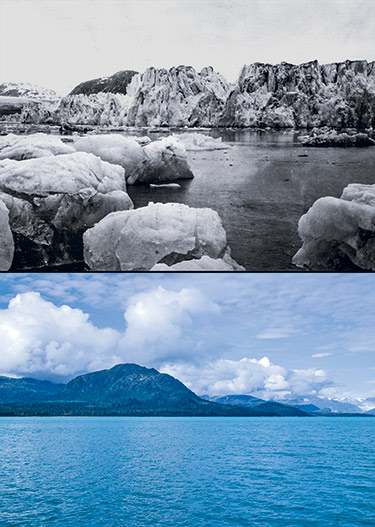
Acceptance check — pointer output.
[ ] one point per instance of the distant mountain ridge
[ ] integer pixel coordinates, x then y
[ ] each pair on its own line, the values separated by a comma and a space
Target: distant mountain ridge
130, 389
24, 89
125, 389
26, 389
237, 400
309, 404
117, 83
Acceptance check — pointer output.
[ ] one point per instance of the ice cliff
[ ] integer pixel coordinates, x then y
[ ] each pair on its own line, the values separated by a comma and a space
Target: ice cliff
338, 95
176, 97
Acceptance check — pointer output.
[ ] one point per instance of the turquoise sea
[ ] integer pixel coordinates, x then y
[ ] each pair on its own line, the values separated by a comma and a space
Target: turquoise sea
266, 472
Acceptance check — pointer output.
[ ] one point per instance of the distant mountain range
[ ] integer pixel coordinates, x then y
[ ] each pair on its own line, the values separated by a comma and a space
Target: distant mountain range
23, 89
309, 404
128, 389
125, 389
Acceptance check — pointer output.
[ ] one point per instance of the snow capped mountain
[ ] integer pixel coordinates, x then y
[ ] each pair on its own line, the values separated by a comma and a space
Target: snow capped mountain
324, 404
23, 89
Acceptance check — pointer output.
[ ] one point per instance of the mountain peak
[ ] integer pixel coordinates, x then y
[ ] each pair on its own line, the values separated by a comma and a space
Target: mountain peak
116, 83
128, 382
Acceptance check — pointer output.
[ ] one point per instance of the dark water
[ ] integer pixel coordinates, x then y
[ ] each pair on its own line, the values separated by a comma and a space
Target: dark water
134, 472
261, 187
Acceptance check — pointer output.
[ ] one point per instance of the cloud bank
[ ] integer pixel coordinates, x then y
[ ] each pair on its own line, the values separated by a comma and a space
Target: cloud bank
46, 340
248, 376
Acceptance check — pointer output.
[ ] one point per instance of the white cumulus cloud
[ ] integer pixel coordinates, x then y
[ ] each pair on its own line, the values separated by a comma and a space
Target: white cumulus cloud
159, 321
42, 339
247, 376
39, 337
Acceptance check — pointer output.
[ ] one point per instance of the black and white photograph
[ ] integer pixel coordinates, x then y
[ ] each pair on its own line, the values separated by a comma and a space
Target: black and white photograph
187, 247
187, 135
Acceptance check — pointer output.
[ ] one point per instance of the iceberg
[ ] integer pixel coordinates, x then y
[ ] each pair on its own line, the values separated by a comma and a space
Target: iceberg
160, 161
159, 233
114, 148
6, 239
164, 161
205, 263
325, 137
195, 141
53, 200
339, 231
32, 146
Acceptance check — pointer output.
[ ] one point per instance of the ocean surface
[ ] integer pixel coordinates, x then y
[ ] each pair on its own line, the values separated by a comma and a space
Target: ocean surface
195, 472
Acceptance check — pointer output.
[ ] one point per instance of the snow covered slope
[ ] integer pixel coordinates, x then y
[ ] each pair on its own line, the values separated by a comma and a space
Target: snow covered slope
23, 89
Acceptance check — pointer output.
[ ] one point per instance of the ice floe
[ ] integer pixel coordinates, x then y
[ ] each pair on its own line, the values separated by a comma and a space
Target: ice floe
160, 161
195, 141
334, 231
166, 233
53, 200
19, 147
114, 148
205, 263
6, 239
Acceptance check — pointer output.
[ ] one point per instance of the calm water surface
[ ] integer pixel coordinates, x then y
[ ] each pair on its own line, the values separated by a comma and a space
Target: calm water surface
261, 187
276, 472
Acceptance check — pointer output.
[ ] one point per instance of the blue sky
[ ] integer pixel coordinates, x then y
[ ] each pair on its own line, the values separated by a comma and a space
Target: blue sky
69, 41
274, 335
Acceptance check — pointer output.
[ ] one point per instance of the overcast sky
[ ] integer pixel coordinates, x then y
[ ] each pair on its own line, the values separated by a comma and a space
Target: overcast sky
265, 334
60, 43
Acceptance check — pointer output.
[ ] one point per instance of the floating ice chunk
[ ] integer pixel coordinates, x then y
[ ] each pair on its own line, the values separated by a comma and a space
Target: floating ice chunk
164, 160
324, 137
160, 161
194, 141
31, 146
165, 185
205, 263
67, 173
166, 233
6, 239
53, 200
114, 148
336, 232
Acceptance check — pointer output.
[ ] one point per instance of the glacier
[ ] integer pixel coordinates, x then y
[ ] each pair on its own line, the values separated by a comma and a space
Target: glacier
338, 95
